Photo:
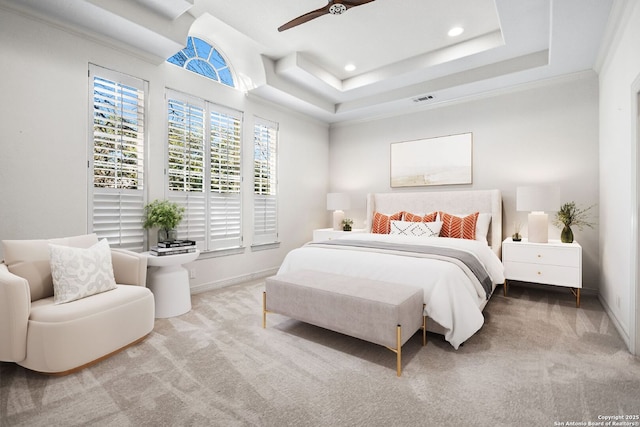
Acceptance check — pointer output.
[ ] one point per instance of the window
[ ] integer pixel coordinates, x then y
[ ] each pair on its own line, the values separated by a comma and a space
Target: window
202, 58
117, 162
265, 213
203, 170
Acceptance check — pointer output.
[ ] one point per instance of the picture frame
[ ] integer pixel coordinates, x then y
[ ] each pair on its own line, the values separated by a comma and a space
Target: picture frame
442, 160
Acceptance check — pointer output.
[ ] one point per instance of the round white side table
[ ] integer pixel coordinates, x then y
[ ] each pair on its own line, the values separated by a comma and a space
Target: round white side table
169, 282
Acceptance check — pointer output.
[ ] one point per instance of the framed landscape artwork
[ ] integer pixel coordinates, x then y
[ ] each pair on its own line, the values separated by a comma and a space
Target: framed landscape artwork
442, 160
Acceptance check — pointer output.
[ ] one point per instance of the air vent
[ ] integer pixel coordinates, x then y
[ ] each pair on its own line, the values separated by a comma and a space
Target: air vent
423, 98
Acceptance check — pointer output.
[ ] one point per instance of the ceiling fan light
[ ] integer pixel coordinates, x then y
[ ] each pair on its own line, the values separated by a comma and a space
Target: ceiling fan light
337, 9
455, 31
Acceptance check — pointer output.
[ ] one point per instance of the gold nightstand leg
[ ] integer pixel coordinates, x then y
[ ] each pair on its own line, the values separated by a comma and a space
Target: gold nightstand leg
576, 293
578, 298
504, 287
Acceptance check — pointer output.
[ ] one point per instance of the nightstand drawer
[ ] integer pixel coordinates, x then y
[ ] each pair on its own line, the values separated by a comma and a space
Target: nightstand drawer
545, 274
538, 254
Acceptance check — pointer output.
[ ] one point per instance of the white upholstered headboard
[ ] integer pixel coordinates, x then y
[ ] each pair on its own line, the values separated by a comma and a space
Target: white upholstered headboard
454, 202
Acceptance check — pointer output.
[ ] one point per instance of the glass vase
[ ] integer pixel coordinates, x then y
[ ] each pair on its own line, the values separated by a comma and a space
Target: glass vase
170, 234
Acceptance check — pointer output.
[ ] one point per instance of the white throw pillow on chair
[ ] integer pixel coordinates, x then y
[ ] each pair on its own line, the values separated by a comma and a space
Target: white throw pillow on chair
78, 273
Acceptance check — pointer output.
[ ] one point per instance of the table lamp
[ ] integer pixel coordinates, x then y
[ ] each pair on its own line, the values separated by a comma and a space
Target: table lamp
537, 200
338, 203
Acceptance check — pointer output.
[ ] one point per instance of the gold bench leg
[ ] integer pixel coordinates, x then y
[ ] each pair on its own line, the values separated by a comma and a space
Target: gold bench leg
424, 330
264, 310
424, 326
399, 350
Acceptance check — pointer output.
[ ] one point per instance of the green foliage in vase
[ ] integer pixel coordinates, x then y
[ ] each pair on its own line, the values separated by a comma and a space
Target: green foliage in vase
347, 221
571, 215
163, 214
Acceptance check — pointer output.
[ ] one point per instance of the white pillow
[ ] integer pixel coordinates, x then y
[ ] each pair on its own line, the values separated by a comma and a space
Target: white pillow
79, 272
482, 227
422, 229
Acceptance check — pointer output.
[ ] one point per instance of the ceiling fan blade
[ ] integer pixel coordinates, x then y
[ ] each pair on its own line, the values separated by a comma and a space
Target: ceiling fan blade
354, 3
323, 11
305, 18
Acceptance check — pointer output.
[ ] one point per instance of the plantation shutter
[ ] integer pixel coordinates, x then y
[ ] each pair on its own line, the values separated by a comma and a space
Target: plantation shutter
204, 166
265, 201
117, 161
186, 165
225, 206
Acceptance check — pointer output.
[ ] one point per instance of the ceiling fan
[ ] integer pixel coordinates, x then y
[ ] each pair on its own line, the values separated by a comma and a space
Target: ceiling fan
334, 7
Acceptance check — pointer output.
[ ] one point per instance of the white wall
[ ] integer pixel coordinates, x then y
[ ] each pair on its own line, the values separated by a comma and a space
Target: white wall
543, 133
618, 169
44, 141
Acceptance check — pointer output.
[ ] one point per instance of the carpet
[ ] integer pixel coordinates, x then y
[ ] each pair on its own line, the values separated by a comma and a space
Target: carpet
537, 361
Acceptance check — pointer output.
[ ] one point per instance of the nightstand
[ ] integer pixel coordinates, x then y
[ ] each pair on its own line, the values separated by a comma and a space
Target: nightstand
322, 234
554, 263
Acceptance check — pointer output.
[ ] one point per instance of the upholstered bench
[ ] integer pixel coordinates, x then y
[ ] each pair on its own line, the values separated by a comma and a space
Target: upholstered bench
383, 313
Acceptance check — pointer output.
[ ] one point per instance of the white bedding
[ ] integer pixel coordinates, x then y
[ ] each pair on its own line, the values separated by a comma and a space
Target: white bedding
450, 296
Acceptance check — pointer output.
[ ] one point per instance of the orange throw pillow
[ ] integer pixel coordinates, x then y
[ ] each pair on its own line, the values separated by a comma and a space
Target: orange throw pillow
382, 223
431, 217
459, 227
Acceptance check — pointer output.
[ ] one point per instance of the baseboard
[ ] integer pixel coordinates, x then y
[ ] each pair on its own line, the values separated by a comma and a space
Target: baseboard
616, 323
204, 287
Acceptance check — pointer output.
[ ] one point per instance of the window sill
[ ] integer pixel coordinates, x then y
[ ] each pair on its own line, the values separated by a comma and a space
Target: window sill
265, 246
221, 252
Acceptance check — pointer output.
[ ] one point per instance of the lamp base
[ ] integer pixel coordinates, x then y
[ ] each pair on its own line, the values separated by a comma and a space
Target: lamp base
338, 216
538, 227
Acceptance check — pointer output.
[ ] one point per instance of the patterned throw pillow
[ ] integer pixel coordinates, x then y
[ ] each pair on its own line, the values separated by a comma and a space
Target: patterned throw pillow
413, 228
79, 272
459, 227
430, 217
382, 223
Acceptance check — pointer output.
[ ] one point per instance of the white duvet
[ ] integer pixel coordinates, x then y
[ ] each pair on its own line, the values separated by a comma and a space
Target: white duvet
451, 298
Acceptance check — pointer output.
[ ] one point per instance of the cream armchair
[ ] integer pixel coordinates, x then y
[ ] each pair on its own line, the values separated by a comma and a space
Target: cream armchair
60, 338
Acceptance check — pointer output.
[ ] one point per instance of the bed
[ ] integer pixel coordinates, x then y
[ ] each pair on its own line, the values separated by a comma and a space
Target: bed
458, 275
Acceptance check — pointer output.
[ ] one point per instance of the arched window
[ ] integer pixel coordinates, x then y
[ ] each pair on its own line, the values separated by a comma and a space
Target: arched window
202, 58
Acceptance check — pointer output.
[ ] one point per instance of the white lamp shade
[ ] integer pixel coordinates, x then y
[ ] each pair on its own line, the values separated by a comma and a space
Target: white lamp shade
537, 199
338, 201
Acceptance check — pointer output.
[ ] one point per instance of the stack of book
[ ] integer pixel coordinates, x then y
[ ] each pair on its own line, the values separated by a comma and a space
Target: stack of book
173, 247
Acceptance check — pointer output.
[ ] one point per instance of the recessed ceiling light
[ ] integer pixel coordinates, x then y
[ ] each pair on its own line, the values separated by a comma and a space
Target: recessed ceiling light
349, 67
455, 31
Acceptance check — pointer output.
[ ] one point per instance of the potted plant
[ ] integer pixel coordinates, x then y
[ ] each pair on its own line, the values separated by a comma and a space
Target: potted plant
166, 216
571, 215
346, 224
